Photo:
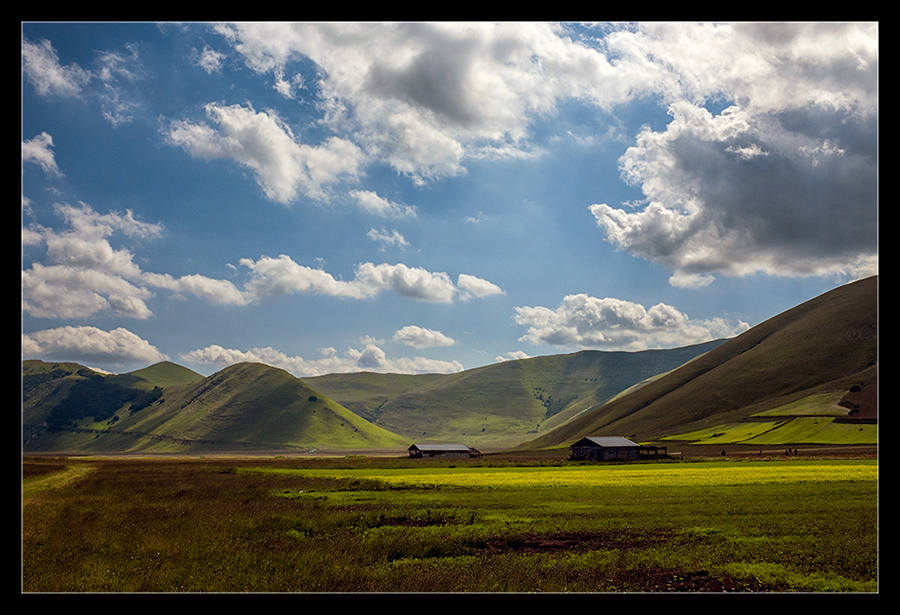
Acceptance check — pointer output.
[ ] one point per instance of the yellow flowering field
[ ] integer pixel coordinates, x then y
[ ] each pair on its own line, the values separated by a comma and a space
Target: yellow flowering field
698, 474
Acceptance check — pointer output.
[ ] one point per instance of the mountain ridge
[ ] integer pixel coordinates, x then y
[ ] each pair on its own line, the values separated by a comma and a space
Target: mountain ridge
802, 375
828, 344
501, 404
243, 405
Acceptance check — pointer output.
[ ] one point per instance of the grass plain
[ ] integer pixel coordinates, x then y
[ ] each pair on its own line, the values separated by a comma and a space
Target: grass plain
362, 524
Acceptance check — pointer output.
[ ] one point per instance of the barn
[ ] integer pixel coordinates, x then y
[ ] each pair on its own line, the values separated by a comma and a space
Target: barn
605, 448
445, 451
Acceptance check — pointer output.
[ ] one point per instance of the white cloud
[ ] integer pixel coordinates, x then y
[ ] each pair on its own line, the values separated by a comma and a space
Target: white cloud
424, 96
370, 202
289, 88
413, 282
38, 150
87, 275
285, 168
58, 291
806, 207
477, 287
42, 68
690, 280
89, 344
369, 358
209, 59
394, 238
784, 180
582, 321
281, 276
515, 355
222, 292
420, 337
116, 69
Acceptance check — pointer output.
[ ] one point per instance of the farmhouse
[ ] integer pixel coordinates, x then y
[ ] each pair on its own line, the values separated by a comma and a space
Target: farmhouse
605, 448
446, 451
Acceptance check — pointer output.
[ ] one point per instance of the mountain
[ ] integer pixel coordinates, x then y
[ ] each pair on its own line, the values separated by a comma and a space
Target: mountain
503, 404
806, 375
249, 406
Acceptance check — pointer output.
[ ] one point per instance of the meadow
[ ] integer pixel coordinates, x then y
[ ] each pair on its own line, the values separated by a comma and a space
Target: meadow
361, 524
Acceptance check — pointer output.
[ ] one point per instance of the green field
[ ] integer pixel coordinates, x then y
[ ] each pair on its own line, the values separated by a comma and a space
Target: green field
490, 525
798, 430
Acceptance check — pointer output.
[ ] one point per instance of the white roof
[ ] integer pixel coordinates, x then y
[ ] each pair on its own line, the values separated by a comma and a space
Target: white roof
440, 447
611, 441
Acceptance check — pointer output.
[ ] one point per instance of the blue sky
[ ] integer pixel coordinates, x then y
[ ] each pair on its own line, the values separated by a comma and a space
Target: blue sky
432, 197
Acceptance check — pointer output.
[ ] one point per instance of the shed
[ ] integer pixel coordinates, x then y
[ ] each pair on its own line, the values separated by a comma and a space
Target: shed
447, 451
605, 448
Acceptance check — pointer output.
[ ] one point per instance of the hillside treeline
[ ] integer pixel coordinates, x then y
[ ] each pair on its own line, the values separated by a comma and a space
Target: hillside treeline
99, 398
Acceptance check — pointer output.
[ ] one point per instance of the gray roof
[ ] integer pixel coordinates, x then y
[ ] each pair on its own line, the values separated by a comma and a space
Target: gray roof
440, 447
611, 441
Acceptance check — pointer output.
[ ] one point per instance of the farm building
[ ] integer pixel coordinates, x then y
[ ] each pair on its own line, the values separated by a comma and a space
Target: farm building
446, 451
605, 448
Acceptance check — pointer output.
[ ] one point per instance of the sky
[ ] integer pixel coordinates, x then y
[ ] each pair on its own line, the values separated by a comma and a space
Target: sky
435, 197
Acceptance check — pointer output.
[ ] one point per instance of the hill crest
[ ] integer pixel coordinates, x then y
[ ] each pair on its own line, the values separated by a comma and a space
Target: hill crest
827, 345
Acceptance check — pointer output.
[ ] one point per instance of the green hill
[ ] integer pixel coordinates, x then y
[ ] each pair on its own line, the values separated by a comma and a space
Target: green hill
808, 375
248, 406
166, 374
499, 405
816, 361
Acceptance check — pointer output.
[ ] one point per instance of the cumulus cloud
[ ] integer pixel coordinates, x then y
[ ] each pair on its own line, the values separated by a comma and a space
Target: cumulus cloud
282, 276
582, 321
807, 207
413, 282
90, 344
86, 275
217, 291
285, 168
424, 96
782, 181
477, 287
420, 337
369, 358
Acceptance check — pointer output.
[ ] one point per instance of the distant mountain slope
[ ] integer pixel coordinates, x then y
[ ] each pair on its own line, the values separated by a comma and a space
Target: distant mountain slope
826, 348
502, 404
244, 406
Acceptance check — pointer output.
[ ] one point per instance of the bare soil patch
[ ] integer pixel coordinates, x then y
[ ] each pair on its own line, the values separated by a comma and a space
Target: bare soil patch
577, 542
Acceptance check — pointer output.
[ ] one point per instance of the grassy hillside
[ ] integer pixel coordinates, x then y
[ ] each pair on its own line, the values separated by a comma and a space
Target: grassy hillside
365, 392
166, 374
498, 405
245, 406
818, 355
808, 375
